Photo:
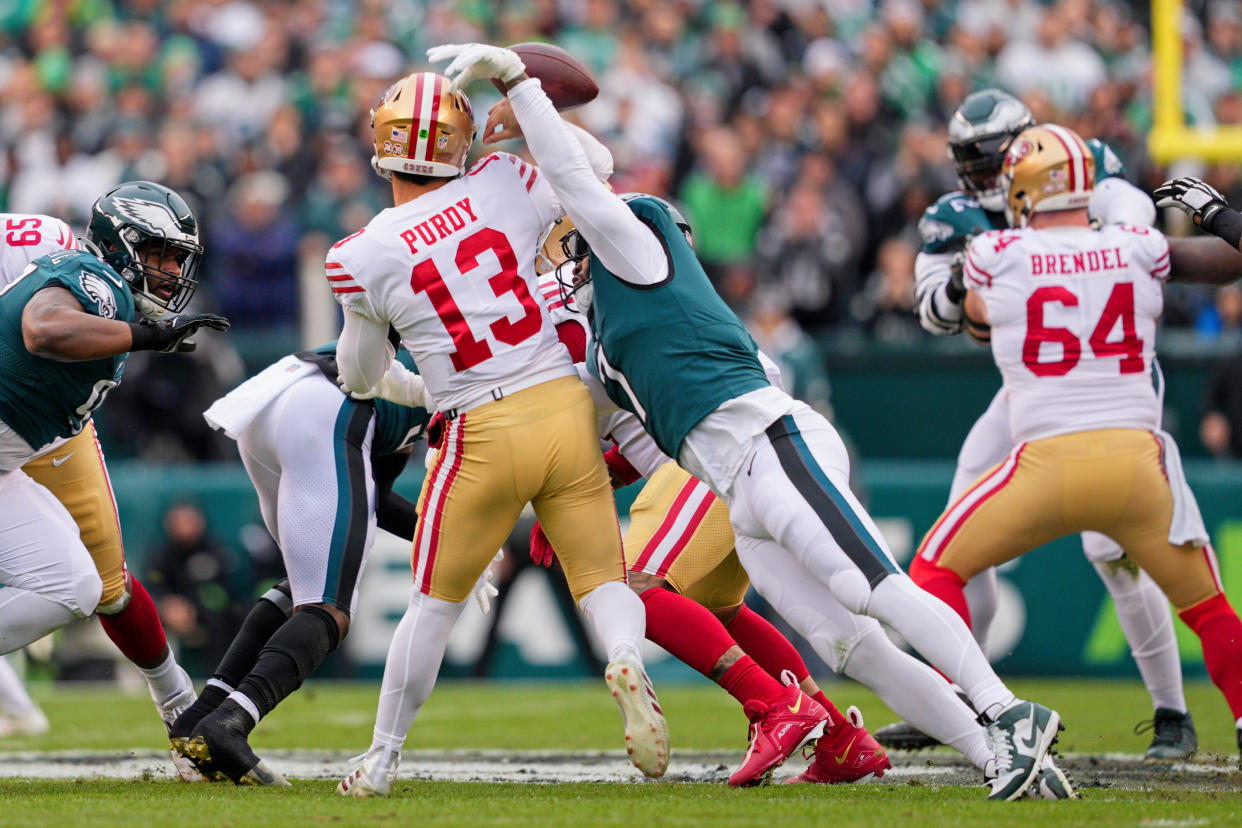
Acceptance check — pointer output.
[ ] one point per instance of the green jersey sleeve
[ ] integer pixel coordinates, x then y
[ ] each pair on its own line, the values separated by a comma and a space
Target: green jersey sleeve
1107, 164
955, 217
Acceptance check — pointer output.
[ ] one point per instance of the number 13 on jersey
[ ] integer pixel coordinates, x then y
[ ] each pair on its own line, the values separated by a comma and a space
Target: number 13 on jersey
471, 350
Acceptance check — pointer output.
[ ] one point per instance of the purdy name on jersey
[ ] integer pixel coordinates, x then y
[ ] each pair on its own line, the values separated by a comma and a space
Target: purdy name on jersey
453, 272
42, 399
1073, 315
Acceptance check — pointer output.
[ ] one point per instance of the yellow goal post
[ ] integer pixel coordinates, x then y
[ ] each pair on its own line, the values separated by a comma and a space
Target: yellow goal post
1171, 138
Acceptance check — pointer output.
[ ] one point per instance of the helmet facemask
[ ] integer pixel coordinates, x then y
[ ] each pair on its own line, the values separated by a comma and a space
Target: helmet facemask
978, 165
562, 249
980, 133
148, 234
164, 275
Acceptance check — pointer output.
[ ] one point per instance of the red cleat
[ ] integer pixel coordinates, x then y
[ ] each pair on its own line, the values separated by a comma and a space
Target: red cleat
777, 731
847, 754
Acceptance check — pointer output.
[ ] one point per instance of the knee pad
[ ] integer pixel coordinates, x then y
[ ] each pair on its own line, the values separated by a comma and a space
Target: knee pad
852, 589
82, 593
114, 604
1100, 548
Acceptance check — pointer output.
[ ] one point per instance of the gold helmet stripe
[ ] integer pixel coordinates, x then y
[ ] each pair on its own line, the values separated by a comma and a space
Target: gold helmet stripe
1077, 163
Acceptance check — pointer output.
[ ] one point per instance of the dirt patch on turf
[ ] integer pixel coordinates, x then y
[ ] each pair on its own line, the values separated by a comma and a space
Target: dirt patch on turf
544, 767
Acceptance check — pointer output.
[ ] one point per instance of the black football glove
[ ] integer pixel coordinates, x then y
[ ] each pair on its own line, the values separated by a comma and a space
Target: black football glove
172, 335
955, 290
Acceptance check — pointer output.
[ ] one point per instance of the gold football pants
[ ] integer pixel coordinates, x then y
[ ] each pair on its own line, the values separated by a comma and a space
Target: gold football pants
75, 473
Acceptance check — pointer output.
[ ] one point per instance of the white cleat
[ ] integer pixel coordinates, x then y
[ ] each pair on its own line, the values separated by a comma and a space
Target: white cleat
646, 731
170, 710
372, 775
19, 725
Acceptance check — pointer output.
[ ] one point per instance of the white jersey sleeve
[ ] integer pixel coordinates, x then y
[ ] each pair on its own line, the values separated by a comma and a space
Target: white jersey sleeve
626, 246
1073, 315
26, 238
453, 271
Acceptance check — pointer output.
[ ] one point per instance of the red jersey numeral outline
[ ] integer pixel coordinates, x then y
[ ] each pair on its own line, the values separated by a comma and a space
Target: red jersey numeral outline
470, 351
1119, 308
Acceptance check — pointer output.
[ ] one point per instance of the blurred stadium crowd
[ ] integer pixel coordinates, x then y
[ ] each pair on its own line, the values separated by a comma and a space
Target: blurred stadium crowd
804, 137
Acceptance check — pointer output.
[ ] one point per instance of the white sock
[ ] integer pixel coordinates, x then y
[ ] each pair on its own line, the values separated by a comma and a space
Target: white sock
1143, 611
939, 635
917, 694
414, 658
14, 699
982, 597
166, 680
27, 616
620, 620
245, 703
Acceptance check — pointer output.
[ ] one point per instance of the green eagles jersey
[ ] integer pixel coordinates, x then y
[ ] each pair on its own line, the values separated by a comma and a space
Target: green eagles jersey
42, 399
673, 352
955, 217
396, 426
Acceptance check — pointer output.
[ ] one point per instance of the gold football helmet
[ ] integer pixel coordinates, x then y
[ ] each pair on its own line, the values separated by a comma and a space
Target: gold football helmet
422, 127
1048, 167
552, 250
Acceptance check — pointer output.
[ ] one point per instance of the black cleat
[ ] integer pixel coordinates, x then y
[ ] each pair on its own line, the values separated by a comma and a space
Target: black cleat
904, 736
1173, 735
179, 733
219, 740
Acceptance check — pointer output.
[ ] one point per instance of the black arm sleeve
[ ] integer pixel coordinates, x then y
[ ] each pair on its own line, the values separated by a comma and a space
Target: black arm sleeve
393, 512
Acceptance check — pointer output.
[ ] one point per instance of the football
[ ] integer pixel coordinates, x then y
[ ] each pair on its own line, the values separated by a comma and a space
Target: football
566, 80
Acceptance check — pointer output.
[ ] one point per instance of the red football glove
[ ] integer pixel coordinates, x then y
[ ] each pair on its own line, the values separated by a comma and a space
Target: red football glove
619, 469
435, 430
541, 551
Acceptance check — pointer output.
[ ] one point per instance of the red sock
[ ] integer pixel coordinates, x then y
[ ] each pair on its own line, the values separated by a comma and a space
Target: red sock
944, 583
136, 630
686, 629
765, 644
775, 654
1219, 630
747, 681
837, 715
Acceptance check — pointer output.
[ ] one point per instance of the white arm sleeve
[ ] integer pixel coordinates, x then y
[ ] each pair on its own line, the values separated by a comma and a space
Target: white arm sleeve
626, 246
597, 154
1117, 201
363, 353
937, 314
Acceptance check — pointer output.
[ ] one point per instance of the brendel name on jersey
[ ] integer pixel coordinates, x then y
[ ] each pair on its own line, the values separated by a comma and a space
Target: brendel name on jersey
1069, 264
443, 224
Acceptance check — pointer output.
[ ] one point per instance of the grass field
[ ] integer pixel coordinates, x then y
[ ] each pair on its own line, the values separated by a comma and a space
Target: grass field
575, 717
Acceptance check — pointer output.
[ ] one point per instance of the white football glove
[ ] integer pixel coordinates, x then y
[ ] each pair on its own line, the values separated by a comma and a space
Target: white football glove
471, 61
1193, 196
484, 589
399, 385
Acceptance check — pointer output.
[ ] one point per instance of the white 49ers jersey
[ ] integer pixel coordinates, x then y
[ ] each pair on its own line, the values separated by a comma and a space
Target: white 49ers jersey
1073, 314
454, 272
26, 238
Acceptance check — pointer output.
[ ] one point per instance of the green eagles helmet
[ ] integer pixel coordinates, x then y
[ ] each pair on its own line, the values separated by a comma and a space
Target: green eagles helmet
149, 235
980, 132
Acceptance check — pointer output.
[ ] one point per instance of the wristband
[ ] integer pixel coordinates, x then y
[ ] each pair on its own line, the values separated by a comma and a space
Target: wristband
954, 292
144, 336
1227, 224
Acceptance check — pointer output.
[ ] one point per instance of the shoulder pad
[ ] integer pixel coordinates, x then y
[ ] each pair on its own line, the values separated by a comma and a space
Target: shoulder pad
946, 224
1107, 164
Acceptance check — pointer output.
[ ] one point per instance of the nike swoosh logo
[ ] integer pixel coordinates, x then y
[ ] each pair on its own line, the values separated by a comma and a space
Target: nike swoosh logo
840, 760
58, 461
1027, 743
794, 708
